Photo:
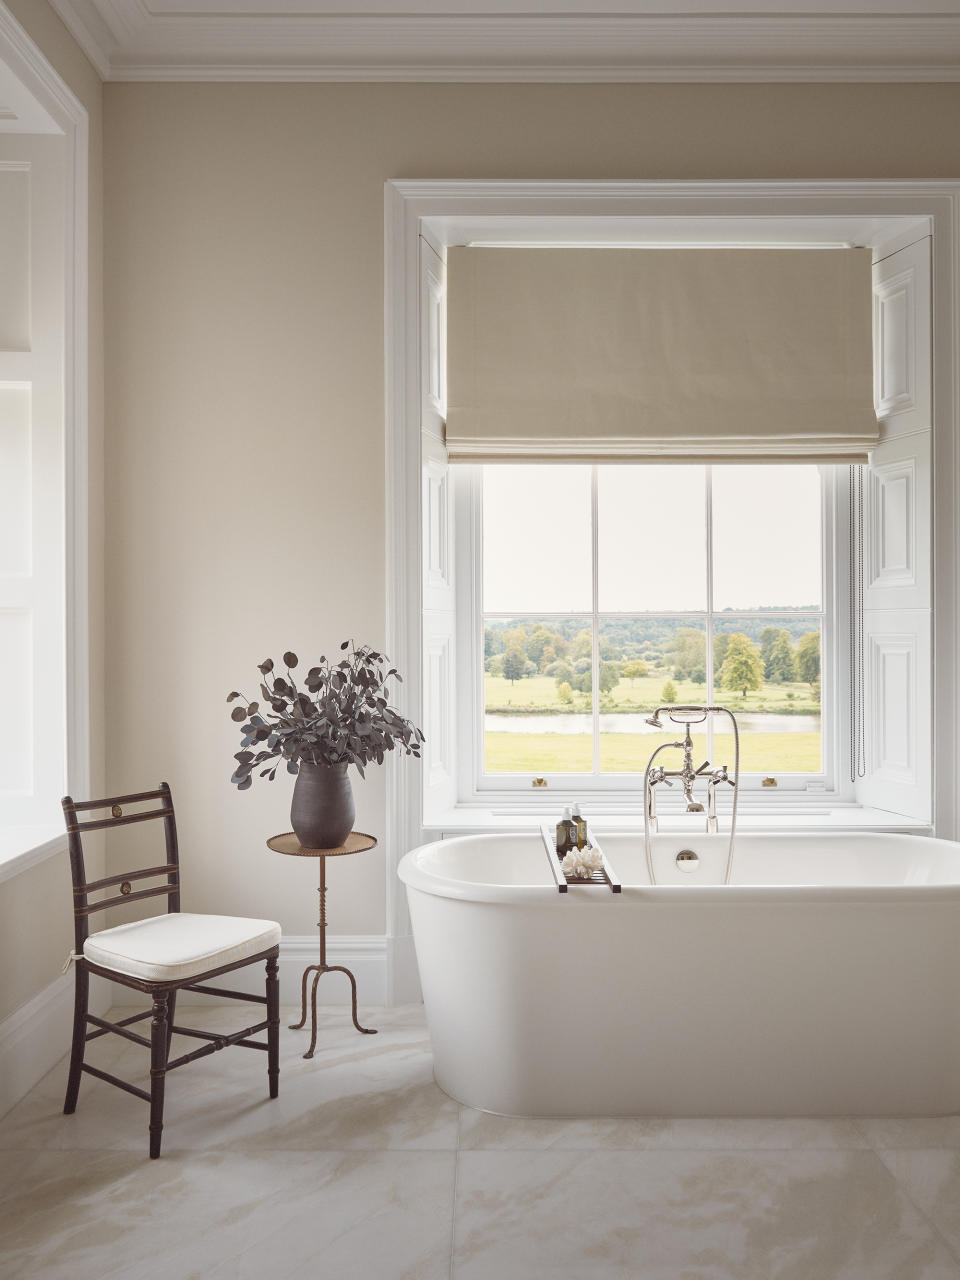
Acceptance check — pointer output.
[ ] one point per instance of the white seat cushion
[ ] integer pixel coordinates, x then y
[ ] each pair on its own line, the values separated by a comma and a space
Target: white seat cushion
179, 945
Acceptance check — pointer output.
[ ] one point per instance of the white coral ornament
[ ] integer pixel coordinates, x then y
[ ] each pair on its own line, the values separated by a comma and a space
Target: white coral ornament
582, 863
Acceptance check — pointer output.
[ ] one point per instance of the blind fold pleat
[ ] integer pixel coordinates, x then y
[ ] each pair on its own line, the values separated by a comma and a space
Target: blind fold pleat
697, 355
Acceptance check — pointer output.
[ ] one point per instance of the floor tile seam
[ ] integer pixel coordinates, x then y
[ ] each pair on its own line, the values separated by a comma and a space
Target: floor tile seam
171, 1148
263, 1148
667, 1150
952, 1249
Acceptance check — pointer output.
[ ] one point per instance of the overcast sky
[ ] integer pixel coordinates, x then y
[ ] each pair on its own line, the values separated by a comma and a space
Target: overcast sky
652, 538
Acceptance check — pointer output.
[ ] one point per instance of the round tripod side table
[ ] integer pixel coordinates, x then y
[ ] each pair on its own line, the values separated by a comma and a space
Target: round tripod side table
356, 842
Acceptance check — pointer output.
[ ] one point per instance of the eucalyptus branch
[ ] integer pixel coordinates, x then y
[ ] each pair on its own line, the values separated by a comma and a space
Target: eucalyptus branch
349, 720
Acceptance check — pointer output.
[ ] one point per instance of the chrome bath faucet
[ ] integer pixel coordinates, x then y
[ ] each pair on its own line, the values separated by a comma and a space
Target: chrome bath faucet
717, 775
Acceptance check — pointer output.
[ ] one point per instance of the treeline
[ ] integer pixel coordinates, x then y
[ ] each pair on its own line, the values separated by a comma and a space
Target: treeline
742, 662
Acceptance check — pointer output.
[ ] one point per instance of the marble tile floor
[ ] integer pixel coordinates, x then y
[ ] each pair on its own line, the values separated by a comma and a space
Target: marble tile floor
364, 1170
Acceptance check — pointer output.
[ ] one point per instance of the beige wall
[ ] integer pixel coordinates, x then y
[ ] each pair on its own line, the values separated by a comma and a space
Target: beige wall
245, 442
36, 926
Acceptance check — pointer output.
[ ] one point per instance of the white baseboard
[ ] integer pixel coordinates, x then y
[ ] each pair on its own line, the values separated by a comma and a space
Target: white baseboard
403, 975
36, 1036
364, 954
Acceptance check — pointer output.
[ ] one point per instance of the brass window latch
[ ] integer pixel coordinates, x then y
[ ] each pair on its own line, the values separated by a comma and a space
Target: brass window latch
539, 782
769, 782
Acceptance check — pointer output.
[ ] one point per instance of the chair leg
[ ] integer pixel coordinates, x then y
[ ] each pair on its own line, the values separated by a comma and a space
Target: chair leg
273, 1027
81, 996
171, 1014
158, 1070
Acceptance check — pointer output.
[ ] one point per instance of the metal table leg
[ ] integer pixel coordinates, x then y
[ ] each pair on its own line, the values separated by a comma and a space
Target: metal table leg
318, 970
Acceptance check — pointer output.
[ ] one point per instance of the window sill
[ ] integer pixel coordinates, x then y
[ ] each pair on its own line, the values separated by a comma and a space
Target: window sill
825, 818
25, 847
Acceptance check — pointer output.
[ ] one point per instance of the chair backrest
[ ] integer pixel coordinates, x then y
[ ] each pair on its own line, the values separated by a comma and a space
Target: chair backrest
82, 887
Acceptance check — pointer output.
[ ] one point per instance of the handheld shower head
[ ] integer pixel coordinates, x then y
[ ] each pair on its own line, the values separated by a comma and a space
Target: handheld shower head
655, 719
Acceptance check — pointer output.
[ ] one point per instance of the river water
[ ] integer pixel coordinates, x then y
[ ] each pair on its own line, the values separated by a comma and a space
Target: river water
752, 722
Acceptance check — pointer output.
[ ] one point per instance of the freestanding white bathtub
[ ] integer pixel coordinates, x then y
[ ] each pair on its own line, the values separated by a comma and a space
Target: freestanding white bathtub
824, 979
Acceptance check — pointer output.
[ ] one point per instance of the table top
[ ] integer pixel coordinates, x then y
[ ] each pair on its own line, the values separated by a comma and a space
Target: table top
356, 842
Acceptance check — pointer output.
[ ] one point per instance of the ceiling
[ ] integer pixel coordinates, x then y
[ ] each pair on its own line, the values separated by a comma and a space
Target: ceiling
520, 40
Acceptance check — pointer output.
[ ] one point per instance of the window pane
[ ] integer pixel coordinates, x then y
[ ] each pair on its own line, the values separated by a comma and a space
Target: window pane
537, 695
646, 663
536, 539
652, 538
766, 537
767, 671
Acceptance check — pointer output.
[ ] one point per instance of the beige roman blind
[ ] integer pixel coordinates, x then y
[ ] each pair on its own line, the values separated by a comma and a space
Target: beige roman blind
699, 355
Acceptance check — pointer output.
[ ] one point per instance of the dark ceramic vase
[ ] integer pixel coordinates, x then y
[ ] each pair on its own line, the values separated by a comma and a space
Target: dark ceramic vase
322, 812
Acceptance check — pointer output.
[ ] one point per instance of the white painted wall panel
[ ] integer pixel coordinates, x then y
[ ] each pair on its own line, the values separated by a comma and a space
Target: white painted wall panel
16, 489
14, 255
17, 773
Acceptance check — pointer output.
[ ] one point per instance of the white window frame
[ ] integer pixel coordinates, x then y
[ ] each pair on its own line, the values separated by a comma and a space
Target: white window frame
475, 787
445, 212
55, 108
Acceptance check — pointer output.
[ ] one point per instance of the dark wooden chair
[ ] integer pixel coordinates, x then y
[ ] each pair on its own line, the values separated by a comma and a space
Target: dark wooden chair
159, 956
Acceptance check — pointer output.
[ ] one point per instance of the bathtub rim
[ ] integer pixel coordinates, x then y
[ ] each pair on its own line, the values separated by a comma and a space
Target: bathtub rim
414, 876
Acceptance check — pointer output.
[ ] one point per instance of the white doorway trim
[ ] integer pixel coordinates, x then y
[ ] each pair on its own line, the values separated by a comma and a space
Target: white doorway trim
28, 64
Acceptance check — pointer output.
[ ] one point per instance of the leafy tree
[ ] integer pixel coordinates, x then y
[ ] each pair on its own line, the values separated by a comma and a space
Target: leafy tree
582, 646
668, 694
720, 644
699, 675
688, 649
582, 664
494, 665
768, 638
609, 676
514, 664
608, 650
808, 657
515, 639
537, 642
634, 670
560, 671
529, 668
492, 642
561, 645
548, 657
583, 683
780, 665
565, 692
742, 665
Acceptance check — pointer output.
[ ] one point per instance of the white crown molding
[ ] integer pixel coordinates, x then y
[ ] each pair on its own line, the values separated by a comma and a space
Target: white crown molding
132, 40
90, 33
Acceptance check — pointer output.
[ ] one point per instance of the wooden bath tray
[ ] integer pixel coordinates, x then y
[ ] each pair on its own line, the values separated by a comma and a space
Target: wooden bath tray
604, 878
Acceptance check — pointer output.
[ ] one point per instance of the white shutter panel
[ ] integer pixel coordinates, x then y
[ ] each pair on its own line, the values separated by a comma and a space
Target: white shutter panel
439, 617
897, 664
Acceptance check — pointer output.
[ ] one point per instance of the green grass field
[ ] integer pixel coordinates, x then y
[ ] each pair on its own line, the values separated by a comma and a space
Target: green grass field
628, 752
539, 693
